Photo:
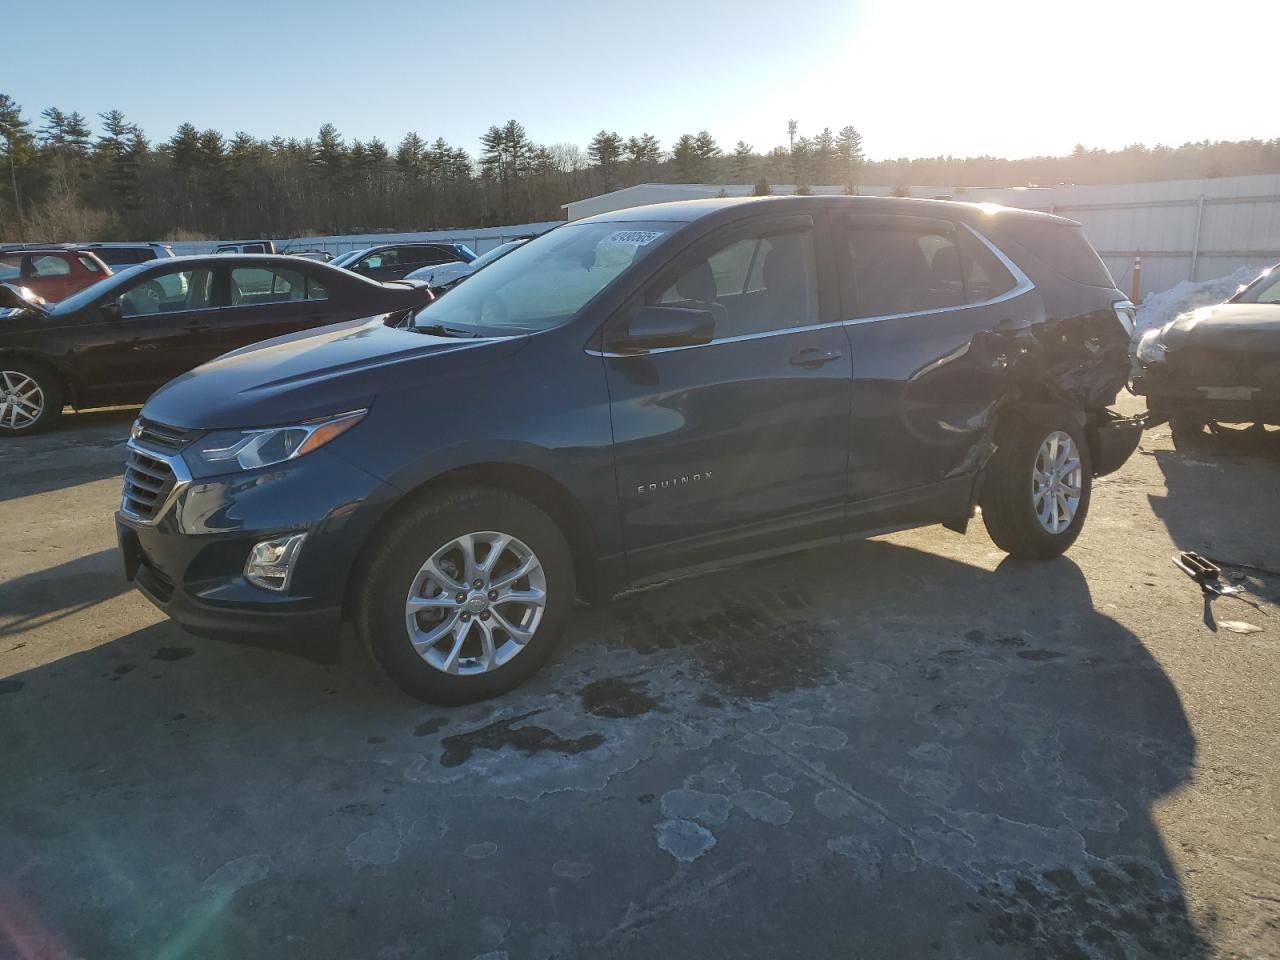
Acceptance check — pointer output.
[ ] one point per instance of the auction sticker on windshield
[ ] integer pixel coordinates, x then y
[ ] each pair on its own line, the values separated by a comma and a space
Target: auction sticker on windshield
638, 238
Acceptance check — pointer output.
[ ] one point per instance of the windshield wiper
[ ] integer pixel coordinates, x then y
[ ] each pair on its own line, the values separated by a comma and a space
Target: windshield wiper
439, 330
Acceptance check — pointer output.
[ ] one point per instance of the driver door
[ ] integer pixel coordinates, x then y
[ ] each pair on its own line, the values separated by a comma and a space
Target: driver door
739, 445
156, 329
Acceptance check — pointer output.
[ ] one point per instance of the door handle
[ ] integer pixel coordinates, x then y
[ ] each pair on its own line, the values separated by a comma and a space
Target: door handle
813, 358
199, 327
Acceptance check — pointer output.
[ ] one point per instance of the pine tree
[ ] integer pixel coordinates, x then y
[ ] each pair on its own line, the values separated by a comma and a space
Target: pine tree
684, 155
849, 153
743, 162
824, 156
19, 145
604, 151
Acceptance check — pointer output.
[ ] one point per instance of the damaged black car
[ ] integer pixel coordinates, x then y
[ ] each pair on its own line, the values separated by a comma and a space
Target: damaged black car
627, 398
1215, 365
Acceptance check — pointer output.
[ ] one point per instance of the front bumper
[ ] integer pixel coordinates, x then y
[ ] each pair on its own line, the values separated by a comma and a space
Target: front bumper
189, 560
1169, 396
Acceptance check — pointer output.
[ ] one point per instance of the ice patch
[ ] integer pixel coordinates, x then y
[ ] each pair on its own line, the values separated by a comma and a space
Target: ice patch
571, 869
480, 851
777, 783
709, 808
762, 806
684, 839
865, 856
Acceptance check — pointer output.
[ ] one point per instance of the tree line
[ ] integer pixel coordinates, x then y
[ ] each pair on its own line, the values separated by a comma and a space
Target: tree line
64, 180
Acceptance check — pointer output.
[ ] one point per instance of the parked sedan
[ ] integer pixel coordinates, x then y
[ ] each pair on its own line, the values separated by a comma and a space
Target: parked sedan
445, 276
116, 341
53, 273
1217, 364
626, 397
393, 261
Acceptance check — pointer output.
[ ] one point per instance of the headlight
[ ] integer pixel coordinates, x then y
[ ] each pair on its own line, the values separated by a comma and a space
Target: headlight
225, 450
1150, 349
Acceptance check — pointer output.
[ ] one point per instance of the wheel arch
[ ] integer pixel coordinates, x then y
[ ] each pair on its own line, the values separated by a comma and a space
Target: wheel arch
535, 485
70, 393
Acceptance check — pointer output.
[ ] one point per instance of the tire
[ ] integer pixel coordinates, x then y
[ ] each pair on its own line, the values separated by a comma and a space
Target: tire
431, 535
31, 397
1011, 510
1188, 433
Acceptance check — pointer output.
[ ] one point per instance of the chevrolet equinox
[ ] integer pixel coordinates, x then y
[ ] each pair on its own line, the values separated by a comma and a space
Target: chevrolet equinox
626, 398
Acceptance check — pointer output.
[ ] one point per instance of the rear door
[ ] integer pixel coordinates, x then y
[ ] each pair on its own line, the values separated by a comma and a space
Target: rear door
741, 444
931, 306
266, 302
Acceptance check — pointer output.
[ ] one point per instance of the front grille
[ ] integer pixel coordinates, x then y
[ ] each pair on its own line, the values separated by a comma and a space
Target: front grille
159, 436
148, 481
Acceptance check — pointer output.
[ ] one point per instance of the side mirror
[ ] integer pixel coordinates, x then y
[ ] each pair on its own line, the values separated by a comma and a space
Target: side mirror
653, 328
111, 311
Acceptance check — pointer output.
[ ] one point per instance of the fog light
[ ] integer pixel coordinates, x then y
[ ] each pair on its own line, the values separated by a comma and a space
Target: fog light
270, 563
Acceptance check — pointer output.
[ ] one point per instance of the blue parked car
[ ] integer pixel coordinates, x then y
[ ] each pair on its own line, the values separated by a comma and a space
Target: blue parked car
640, 394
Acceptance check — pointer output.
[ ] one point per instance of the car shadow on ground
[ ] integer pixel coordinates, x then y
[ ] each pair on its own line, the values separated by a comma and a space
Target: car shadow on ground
83, 447
40, 598
869, 750
1208, 508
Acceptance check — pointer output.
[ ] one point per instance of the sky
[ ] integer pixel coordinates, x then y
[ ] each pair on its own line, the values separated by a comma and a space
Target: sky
1010, 78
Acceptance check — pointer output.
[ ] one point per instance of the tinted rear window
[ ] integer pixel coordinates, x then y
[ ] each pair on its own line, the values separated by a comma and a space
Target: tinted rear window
123, 256
1061, 247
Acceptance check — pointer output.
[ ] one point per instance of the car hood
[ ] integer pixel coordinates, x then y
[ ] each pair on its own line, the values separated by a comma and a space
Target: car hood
1244, 327
311, 374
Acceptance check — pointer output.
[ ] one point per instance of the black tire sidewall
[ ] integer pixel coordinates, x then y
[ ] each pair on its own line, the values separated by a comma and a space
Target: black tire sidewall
49, 387
399, 557
1017, 527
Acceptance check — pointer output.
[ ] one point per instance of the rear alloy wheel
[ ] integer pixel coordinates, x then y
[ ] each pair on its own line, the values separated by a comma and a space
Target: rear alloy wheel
1037, 486
30, 399
467, 595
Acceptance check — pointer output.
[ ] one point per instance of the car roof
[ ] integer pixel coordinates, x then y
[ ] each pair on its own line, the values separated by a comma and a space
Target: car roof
734, 208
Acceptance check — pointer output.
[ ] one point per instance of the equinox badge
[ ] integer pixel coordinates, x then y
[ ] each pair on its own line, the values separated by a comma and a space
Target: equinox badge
673, 482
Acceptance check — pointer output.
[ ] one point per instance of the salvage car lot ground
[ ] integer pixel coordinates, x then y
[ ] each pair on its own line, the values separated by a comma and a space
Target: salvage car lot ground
909, 747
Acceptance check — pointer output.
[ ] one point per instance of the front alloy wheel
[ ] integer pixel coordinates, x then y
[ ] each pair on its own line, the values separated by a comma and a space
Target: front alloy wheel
30, 397
476, 603
465, 594
21, 400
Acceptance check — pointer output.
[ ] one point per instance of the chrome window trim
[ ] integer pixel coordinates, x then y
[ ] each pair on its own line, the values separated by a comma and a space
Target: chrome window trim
181, 480
738, 339
1022, 284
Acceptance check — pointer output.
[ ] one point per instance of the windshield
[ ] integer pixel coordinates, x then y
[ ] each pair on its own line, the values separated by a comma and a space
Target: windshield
342, 259
1266, 289
547, 280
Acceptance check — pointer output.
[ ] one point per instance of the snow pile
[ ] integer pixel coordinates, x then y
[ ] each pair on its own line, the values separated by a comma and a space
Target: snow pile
1157, 309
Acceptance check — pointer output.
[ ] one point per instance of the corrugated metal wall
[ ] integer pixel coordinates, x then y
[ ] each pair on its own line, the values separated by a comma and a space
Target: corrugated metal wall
1182, 229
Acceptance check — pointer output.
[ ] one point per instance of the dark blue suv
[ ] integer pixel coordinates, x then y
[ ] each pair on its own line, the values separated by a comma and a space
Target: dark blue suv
629, 397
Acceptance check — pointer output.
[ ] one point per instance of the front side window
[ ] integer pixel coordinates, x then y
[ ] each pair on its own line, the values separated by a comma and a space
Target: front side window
167, 293
252, 286
10, 269
89, 264
423, 256
547, 281
904, 269
383, 258
752, 285
49, 266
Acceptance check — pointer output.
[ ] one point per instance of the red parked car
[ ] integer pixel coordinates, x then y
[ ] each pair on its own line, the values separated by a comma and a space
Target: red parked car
51, 273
